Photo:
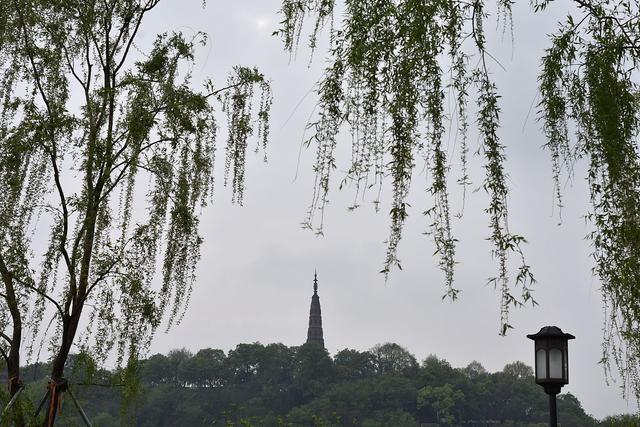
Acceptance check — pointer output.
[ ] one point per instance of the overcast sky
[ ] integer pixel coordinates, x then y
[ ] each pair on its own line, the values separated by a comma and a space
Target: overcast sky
256, 273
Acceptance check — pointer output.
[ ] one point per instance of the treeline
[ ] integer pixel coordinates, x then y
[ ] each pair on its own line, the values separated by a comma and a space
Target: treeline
276, 385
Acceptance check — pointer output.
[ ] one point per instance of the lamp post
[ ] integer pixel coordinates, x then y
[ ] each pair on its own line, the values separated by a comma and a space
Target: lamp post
552, 364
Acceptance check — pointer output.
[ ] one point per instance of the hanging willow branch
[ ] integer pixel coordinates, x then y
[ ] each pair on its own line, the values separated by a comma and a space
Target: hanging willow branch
390, 61
390, 65
589, 82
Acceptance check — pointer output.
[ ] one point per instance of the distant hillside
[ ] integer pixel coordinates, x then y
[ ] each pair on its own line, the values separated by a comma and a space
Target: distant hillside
276, 385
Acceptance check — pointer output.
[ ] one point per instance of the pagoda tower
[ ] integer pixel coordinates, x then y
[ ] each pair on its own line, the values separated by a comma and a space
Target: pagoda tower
315, 316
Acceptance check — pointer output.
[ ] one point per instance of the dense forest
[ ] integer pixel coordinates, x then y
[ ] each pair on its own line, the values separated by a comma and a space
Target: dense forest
276, 385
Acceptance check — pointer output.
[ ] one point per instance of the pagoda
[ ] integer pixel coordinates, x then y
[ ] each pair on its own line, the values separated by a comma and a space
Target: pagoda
314, 333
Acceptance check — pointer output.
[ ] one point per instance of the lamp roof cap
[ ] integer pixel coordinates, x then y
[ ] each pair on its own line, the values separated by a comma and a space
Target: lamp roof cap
550, 331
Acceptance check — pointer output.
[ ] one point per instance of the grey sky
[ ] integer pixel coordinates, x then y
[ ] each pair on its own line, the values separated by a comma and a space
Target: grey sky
255, 276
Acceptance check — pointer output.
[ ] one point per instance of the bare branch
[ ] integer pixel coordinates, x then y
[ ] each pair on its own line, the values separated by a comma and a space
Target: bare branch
41, 293
102, 275
150, 5
215, 92
6, 338
598, 13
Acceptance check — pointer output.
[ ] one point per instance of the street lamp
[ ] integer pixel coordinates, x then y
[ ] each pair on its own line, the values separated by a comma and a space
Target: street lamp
552, 364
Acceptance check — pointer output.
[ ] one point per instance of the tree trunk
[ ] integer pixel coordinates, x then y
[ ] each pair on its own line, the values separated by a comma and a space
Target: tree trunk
13, 373
13, 359
58, 384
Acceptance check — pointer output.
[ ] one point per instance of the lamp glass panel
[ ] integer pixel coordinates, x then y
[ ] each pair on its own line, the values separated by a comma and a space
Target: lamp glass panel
541, 364
555, 364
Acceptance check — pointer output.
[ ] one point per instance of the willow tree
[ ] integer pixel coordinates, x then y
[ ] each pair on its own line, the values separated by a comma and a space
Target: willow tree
395, 64
84, 116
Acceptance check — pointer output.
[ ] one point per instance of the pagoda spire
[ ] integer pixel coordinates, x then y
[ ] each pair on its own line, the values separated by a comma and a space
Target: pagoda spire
314, 334
315, 283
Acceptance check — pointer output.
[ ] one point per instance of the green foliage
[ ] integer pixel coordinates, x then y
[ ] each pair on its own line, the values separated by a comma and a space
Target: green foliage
294, 386
571, 409
621, 421
392, 358
474, 370
518, 370
394, 64
441, 399
391, 64
589, 84
436, 371
204, 369
397, 418
84, 119
352, 365
313, 369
